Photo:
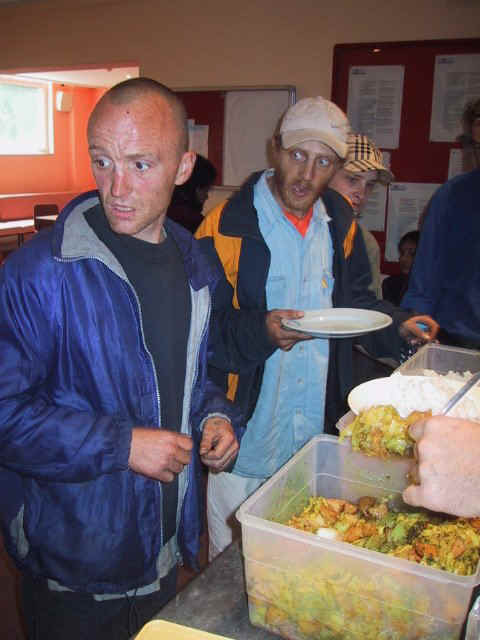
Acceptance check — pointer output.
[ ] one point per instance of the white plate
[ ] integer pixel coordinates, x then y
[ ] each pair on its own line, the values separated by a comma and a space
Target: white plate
339, 322
414, 393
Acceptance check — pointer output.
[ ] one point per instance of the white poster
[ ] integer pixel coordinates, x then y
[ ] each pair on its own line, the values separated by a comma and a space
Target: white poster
374, 106
455, 163
373, 214
198, 138
456, 81
250, 121
387, 159
406, 203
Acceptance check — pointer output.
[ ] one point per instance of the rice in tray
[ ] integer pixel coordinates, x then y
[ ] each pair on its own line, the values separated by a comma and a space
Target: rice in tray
424, 393
385, 412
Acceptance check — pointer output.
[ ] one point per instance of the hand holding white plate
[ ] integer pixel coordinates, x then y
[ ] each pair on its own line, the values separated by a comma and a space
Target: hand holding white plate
339, 322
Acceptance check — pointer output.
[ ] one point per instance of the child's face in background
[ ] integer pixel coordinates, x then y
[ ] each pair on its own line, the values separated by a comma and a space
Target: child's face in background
476, 130
407, 253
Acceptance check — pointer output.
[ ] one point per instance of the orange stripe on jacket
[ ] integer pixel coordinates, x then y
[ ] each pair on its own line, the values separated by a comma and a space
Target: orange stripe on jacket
349, 239
228, 250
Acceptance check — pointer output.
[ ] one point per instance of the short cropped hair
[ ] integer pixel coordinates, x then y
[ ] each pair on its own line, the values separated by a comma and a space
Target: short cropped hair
135, 88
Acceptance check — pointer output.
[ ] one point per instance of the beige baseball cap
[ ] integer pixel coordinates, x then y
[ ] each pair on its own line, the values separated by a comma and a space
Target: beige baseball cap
316, 119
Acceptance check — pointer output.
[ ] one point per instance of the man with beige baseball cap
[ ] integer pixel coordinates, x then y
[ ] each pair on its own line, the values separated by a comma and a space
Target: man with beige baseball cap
316, 119
286, 243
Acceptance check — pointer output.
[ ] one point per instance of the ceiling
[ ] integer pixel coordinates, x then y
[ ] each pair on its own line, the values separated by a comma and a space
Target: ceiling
86, 77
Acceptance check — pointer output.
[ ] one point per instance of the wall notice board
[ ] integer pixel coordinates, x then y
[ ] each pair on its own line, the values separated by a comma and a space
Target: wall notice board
240, 122
416, 159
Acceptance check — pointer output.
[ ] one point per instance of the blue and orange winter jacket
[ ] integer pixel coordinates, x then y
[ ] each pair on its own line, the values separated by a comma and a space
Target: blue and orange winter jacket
230, 233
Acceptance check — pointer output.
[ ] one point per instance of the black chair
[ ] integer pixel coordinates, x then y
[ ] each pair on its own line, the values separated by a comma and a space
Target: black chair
44, 215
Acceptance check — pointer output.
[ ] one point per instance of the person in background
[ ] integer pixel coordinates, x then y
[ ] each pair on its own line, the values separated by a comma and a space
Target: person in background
355, 181
394, 287
444, 280
188, 198
286, 242
470, 138
447, 469
105, 404
470, 141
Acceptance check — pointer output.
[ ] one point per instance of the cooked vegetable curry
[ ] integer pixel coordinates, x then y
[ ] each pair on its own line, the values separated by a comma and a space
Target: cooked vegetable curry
442, 542
381, 431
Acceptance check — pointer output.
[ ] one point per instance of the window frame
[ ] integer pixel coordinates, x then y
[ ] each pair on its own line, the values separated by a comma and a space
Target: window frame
46, 88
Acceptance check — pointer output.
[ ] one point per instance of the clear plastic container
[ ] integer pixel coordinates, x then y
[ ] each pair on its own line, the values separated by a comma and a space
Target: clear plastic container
441, 359
303, 587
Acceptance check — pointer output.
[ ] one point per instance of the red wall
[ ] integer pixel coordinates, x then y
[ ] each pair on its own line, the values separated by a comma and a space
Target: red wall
68, 168
18, 207
83, 102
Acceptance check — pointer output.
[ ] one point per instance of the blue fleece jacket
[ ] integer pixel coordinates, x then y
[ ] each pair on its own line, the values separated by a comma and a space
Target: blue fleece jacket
445, 279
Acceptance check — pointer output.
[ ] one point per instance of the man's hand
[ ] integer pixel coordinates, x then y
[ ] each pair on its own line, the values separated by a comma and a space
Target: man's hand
447, 471
158, 453
416, 334
219, 446
281, 337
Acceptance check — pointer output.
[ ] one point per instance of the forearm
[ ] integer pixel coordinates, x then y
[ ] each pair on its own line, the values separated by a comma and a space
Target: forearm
59, 443
425, 278
387, 342
238, 340
51, 426
212, 402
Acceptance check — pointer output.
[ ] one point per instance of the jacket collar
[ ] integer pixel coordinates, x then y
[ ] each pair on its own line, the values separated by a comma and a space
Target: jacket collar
239, 217
234, 223
74, 239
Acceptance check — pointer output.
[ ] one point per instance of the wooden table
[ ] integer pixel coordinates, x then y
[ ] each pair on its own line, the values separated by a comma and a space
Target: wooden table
17, 228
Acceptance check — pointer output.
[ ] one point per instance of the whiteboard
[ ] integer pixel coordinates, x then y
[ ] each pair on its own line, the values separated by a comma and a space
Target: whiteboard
251, 116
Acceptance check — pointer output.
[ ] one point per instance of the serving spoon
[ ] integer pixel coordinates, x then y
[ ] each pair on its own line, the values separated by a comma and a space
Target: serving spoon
460, 393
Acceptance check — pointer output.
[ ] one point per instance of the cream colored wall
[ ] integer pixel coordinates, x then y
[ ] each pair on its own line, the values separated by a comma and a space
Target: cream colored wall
216, 195
187, 43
